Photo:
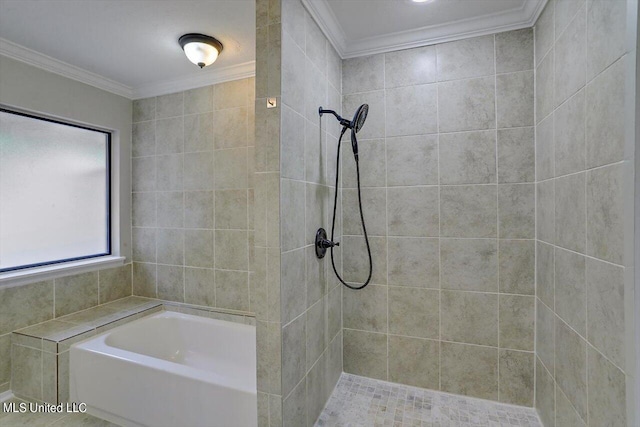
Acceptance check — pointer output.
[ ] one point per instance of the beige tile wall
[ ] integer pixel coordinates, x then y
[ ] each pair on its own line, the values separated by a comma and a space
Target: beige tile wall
580, 165
193, 169
26, 305
265, 275
447, 168
310, 296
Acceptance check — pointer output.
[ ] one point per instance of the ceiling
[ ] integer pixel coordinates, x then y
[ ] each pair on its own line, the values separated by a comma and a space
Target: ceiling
362, 27
132, 43
130, 47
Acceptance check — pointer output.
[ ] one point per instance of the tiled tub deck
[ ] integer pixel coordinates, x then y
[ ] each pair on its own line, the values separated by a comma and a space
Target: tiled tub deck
40, 353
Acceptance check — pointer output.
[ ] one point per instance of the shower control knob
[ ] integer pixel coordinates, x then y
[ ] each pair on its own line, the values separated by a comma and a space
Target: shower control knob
322, 243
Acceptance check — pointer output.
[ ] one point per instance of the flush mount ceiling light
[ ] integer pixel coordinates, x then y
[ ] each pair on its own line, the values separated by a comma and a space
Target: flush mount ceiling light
201, 49
422, 1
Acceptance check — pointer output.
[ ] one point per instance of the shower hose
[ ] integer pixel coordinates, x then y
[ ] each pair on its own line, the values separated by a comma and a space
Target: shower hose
335, 204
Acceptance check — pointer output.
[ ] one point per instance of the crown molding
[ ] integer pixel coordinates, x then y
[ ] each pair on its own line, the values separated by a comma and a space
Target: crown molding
523, 17
47, 63
322, 13
205, 78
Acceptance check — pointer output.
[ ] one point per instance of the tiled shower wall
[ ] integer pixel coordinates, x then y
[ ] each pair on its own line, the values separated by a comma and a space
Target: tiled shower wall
192, 170
310, 296
265, 277
581, 166
447, 169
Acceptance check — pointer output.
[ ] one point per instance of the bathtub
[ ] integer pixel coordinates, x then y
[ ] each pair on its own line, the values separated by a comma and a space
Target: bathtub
169, 369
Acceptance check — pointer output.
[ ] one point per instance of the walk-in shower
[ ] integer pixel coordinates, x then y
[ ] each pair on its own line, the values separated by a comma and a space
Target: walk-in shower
322, 243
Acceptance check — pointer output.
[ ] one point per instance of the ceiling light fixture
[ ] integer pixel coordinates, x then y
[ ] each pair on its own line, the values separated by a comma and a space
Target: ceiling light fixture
202, 50
421, 1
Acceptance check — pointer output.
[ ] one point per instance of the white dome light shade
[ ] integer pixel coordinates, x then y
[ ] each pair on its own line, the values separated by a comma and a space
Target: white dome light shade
200, 49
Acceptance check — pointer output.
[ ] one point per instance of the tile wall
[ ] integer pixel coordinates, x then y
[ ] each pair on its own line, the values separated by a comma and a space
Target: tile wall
30, 304
580, 168
265, 276
310, 295
447, 172
193, 164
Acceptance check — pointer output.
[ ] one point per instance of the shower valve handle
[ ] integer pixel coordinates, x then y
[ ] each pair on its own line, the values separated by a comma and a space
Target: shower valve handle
322, 243
326, 244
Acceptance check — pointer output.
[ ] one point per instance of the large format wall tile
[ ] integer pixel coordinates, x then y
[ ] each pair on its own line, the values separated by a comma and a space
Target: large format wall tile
365, 353
605, 116
571, 366
414, 361
468, 158
414, 312
22, 306
469, 317
410, 67
469, 370
516, 377
570, 59
516, 155
514, 99
405, 102
469, 264
466, 104
468, 211
569, 133
514, 51
466, 58
570, 289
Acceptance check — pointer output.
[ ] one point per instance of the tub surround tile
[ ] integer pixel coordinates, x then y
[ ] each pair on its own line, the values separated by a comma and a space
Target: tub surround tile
75, 293
21, 306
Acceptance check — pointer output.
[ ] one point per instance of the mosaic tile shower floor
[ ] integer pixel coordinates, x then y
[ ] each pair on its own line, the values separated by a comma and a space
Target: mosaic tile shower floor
359, 401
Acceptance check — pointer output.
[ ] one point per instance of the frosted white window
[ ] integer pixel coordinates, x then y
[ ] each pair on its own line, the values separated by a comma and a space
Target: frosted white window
54, 192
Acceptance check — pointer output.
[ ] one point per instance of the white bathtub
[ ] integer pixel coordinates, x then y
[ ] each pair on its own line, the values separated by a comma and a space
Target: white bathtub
169, 369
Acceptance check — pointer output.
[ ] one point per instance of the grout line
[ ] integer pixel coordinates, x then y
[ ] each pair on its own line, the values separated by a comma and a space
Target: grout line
439, 229
495, 106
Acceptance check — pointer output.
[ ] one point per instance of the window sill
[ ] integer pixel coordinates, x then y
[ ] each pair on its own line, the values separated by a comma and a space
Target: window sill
48, 272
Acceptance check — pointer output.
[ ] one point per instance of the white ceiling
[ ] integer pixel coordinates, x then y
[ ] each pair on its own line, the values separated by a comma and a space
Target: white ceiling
130, 47
134, 43
362, 27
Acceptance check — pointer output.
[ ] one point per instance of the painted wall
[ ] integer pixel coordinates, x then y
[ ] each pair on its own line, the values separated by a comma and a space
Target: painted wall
25, 87
582, 165
447, 174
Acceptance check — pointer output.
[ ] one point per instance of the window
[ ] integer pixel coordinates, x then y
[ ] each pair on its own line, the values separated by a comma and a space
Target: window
54, 192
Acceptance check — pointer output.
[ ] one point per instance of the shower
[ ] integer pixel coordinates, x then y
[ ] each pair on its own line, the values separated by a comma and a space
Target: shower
322, 243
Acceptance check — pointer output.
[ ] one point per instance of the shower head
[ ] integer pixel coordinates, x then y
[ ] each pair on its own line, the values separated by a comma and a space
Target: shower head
355, 124
359, 117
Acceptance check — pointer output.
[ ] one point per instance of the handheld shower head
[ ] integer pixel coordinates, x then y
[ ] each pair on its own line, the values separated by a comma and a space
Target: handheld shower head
355, 124
359, 117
